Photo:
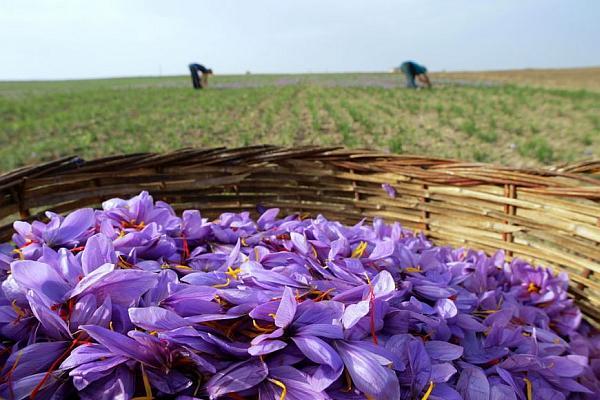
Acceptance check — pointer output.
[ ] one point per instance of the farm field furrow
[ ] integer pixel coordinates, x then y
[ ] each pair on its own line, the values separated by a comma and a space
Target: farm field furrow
505, 124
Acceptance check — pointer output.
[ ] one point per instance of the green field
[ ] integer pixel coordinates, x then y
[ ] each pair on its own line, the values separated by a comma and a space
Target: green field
511, 125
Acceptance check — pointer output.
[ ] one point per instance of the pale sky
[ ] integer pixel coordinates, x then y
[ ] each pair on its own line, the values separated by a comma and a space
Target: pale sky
65, 39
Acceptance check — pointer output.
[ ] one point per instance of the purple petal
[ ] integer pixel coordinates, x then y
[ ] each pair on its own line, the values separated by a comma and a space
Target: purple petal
171, 383
563, 366
237, 377
119, 344
120, 384
266, 347
318, 351
156, 319
287, 308
97, 252
72, 228
444, 392
34, 358
300, 243
389, 189
504, 392
87, 373
473, 384
442, 372
123, 286
446, 308
85, 354
382, 250
54, 326
354, 312
383, 285
413, 354
267, 218
432, 292
41, 278
20, 389
443, 351
367, 374
322, 330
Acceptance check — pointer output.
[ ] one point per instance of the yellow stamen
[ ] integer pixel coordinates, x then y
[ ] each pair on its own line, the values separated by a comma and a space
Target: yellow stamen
533, 288
324, 294
243, 241
110, 325
184, 267
281, 385
153, 333
304, 216
121, 234
529, 389
272, 315
20, 312
314, 251
147, 386
359, 250
411, 269
233, 272
260, 328
256, 254
222, 285
368, 279
428, 392
20, 253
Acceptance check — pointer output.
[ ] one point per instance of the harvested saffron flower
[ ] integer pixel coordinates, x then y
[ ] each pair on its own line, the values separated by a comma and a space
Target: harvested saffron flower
135, 301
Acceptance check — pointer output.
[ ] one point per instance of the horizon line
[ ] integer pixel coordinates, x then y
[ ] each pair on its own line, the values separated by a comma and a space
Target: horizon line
292, 73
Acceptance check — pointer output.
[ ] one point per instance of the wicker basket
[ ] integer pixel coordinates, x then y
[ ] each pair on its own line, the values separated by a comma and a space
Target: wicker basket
543, 216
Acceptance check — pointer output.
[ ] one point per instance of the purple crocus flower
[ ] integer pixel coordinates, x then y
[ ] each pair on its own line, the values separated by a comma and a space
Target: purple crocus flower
68, 232
133, 300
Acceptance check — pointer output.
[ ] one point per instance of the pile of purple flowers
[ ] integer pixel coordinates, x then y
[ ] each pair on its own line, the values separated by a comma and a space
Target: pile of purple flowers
134, 301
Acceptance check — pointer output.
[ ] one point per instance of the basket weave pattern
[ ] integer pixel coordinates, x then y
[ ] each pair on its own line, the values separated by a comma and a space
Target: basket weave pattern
546, 217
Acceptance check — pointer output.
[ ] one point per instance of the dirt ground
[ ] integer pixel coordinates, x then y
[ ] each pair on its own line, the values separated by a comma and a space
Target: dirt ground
569, 78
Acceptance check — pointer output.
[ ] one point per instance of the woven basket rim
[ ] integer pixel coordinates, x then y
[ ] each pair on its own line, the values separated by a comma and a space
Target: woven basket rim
551, 215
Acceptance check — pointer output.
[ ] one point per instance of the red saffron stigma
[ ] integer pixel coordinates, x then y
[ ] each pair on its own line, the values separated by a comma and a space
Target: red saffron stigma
372, 304
186, 249
55, 364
